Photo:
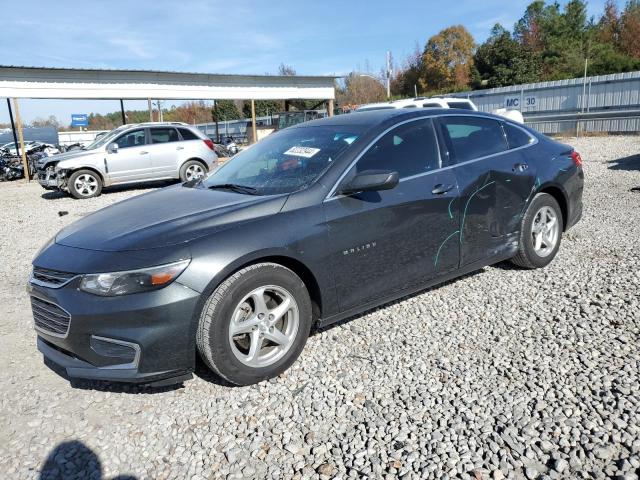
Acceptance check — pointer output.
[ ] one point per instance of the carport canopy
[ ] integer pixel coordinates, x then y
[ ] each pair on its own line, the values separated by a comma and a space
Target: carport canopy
79, 83
62, 83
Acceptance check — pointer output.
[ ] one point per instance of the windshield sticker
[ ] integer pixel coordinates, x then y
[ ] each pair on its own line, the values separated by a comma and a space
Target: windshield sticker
306, 152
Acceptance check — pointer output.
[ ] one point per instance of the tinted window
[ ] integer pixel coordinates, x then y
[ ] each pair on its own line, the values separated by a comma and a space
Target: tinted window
431, 105
516, 136
164, 135
408, 149
134, 138
188, 134
462, 105
410, 106
472, 137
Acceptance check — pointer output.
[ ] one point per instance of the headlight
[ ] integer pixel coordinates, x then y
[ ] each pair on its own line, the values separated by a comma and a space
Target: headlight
132, 281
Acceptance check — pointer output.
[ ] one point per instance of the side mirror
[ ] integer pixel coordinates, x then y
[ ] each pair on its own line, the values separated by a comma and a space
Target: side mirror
371, 180
112, 148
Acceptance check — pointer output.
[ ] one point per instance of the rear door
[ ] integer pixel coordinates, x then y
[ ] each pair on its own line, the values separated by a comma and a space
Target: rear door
165, 150
494, 180
385, 241
132, 160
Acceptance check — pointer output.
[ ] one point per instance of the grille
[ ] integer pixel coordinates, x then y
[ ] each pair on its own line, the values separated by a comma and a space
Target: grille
53, 278
49, 317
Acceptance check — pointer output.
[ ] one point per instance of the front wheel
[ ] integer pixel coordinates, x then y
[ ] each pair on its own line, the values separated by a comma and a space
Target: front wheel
255, 324
85, 184
540, 233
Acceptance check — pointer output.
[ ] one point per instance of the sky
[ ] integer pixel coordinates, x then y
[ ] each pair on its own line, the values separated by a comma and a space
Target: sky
316, 37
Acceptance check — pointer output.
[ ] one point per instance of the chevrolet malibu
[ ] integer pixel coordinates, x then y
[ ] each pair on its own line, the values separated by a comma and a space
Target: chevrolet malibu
314, 224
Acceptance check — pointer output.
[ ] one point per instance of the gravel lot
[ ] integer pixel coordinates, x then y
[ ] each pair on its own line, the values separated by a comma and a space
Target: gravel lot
505, 373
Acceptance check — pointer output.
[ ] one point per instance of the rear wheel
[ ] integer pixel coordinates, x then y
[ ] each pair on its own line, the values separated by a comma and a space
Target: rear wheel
85, 184
255, 324
540, 233
192, 170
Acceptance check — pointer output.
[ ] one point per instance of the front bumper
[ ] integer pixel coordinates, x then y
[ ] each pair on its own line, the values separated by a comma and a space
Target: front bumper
50, 180
156, 327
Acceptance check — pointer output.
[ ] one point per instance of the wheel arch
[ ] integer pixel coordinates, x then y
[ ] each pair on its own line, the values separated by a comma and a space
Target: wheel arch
73, 170
195, 159
560, 196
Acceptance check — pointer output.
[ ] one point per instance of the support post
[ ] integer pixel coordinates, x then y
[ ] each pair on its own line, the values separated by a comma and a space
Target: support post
13, 124
23, 154
330, 107
254, 130
124, 117
150, 110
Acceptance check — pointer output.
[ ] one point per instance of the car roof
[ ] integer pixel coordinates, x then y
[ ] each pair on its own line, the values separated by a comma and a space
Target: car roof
376, 117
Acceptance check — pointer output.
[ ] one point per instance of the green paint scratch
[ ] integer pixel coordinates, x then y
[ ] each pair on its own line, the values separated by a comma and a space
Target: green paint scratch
451, 214
464, 215
435, 263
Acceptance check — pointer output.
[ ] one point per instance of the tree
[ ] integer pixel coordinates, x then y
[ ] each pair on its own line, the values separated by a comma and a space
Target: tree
360, 89
225, 110
52, 121
608, 28
286, 70
264, 108
630, 29
501, 60
447, 60
406, 79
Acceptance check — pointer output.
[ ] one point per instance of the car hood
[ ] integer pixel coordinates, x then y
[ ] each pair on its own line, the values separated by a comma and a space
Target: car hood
169, 216
65, 156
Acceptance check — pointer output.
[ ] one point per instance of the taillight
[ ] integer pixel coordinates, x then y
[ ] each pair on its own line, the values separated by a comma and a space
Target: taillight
577, 159
209, 143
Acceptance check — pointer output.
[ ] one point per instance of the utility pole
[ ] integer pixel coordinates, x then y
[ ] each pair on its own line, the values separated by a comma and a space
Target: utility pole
150, 110
388, 75
23, 154
415, 90
13, 124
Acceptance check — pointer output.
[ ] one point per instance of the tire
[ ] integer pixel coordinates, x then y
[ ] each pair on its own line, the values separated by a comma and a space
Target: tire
541, 210
192, 169
230, 356
85, 184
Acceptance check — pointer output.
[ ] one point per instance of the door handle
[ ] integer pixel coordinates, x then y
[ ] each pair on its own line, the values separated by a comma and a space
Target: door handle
441, 189
520, 167
179, 148
143, 153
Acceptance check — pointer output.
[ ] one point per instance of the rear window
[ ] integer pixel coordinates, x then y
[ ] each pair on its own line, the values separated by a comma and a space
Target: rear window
471, 137
462, 105
188, 134
164, 135
516, 137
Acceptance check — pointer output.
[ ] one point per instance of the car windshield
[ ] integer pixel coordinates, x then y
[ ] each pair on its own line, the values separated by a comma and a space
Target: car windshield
106, 138
285, 161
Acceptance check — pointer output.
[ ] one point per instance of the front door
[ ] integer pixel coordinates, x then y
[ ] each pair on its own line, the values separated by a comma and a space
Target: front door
494, 180
132, 160
385, 241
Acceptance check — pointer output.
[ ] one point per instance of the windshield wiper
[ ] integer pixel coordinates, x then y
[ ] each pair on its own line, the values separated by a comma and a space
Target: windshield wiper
236, 188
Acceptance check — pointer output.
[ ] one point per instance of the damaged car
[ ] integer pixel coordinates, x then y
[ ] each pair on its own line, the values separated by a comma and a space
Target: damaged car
130, 154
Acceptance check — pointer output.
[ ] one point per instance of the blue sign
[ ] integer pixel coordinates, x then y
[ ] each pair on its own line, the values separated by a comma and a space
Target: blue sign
79, 120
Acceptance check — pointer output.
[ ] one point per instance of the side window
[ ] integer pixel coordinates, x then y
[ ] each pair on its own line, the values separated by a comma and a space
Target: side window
431, 105
462, 104
471, 137
516, 137
135, 138
164, 135
409, 149
188, 134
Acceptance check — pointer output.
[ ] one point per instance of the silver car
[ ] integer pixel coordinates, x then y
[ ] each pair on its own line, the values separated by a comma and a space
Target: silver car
129, 154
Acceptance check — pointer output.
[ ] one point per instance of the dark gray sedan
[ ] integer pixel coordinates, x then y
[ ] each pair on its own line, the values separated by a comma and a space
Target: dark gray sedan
315, 223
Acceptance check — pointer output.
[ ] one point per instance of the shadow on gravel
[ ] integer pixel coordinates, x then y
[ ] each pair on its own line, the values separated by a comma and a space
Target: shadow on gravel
317, 330
74, 459
630, 163
56, 195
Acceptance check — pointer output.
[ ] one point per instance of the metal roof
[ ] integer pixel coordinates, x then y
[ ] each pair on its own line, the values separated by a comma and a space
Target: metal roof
86, 83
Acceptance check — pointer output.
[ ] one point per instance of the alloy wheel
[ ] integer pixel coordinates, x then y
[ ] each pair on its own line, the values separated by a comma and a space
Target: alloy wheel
264, 326
194, 171
545, 231
86, 185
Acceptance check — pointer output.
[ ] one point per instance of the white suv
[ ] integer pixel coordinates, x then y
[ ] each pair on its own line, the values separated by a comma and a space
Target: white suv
421, 102
130, 153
